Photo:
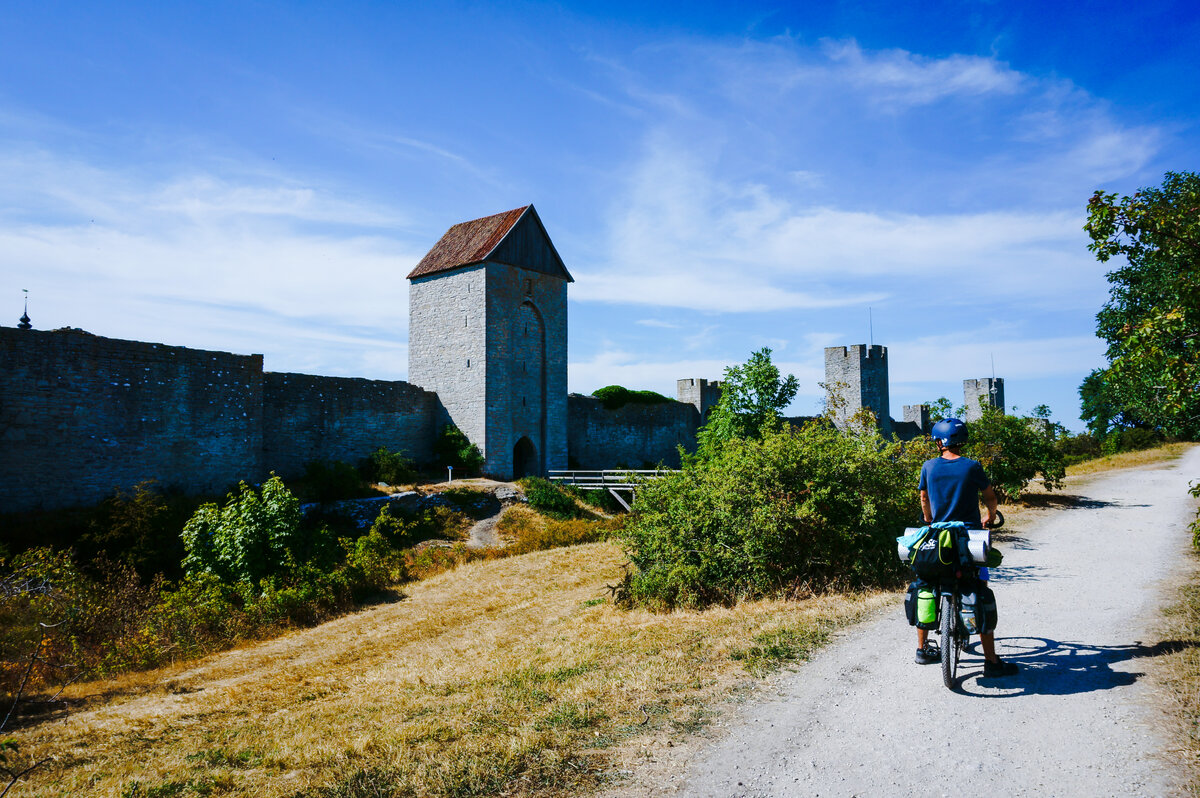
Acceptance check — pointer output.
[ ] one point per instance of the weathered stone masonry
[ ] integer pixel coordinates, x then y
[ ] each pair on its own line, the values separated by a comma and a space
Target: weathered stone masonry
82, 415
631, 436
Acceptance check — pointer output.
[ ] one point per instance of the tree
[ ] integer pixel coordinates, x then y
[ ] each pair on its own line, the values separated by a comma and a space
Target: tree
752, 398
452, 448
1151, 321
1014, 449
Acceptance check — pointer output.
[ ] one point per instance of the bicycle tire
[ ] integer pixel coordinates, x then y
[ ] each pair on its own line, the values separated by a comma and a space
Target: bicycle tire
950, 641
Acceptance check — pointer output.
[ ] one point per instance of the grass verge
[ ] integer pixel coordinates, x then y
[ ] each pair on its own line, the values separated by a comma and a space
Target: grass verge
513, 676
1178, 674
1159, 455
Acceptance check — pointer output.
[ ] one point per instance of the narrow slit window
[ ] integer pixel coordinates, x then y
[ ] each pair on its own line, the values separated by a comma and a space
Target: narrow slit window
468, 362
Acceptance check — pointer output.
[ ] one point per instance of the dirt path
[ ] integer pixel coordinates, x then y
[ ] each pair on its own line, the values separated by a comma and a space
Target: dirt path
1078, 598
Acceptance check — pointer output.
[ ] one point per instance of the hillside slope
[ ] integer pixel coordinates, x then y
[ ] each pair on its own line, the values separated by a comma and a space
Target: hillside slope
509, 675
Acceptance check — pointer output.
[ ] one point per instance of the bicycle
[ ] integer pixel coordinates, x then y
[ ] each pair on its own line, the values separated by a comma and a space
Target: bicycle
952, 629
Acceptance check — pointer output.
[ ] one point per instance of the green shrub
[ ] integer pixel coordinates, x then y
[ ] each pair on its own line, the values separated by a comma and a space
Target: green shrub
799, 509
549, 499
140, 527
1013, 450
392, 468
453, 449
332, 480
402, 529
1194, 490
616, 396
256, 535
1130, 439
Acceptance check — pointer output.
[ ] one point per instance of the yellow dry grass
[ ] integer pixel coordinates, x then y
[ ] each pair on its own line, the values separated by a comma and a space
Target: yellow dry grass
512, 676
1159, 455
1177, 673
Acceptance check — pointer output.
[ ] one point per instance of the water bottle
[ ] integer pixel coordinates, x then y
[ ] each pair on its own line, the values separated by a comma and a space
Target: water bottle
926, 606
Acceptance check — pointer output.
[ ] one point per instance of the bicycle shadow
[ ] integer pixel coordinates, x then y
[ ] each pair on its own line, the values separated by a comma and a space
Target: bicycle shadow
1052, 667
1015, 574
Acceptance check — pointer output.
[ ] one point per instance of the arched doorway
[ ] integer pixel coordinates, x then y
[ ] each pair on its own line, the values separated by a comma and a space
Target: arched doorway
525, 462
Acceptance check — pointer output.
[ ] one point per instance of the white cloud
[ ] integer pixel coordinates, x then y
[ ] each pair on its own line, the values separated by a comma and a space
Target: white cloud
210, 262
905, 78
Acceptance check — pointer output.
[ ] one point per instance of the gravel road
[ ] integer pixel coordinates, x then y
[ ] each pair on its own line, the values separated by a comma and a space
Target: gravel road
1078, 596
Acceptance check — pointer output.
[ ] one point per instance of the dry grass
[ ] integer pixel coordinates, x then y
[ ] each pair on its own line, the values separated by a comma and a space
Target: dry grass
1159, 455
1177, 674
513, 676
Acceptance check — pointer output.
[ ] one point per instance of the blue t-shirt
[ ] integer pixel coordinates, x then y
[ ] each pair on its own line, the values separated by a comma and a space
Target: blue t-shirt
953, 487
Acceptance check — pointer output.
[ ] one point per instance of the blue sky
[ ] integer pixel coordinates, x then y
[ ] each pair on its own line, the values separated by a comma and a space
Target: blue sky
260, 177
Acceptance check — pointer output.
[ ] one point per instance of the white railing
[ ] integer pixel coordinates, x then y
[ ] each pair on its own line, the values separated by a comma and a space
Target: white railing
615, 481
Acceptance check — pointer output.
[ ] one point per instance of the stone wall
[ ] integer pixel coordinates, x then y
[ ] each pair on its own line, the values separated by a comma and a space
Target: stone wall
631, 436
339, 418
81, 415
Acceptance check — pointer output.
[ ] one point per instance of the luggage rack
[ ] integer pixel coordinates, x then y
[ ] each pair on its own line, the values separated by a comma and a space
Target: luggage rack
615, 481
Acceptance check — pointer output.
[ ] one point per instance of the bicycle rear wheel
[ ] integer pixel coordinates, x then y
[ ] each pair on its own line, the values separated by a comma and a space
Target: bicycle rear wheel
950, 641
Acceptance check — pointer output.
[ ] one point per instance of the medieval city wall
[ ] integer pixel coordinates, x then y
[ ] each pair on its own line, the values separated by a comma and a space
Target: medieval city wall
630, 436
309, 418
82, 415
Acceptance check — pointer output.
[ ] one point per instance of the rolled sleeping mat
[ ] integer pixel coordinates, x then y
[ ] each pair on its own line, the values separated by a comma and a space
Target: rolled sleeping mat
910, 534
978, 543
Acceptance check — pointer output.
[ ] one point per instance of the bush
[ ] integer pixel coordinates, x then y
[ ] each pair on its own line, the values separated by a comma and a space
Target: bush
548, 498
403, 529
1078, 448
453, 449
800, 509
392, 468
1013, 450
1130, 439
332, 480
256, 535
139, 527
615, 396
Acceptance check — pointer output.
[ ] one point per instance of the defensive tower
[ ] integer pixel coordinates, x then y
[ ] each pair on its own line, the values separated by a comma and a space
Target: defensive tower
988, 390
701, 393
857, 377
487, 328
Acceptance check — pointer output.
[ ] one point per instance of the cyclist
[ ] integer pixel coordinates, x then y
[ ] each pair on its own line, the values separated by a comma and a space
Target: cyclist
951, 486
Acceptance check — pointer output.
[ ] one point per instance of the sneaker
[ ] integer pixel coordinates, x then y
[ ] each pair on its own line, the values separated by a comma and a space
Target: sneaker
1001, 668
929, 655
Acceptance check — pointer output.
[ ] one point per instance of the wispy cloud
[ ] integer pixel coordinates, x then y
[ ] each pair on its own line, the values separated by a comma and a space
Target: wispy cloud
208, 261
903, 78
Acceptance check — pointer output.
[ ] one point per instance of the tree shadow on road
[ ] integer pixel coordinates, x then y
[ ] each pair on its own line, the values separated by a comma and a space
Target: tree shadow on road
1069, 501
1052, 667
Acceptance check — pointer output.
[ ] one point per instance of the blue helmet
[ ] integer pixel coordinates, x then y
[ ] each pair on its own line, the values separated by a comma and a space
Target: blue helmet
951, 432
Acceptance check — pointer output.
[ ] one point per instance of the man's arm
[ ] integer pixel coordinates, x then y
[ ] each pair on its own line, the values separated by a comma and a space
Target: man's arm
989, 499
927, 508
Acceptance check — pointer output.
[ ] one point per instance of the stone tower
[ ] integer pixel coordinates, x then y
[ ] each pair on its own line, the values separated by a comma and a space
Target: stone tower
859, 373
487, 332
989, 390
701, 393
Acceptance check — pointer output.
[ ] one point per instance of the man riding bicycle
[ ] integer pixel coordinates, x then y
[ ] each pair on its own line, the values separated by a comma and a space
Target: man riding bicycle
950, 487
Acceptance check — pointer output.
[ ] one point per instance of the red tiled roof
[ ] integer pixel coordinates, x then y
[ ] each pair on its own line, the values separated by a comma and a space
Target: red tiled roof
467, 243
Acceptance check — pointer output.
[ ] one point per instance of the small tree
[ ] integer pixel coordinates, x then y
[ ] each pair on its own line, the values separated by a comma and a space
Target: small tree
752, 398
1015, 449
452, 448
256, 535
